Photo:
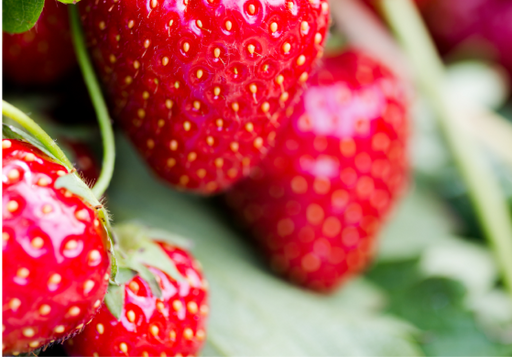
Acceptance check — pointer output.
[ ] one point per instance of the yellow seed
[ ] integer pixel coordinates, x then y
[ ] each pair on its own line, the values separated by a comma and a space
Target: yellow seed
100, 328
171, 162
304, 26
284, 97
102, 25
301, 60
228, 25
94, 255
28, 332
34, 344
22, 273
128, 80
199, 23
13, 175
130, 24
186, 46
112, 58
71, 244
176, 84
154, 3
123, 347
12, 206
201, 173
130, 315
234, 146
216, 52
235, 106
188, 333
273, 27
219, 123
160, 306
173, 145
5, 236
200, 335
154, 330
192, 156
147, 43
280, 79
59, 329
176, 304
61, 172
97, 304
216, 91
199, 73
287, 47
325, 7
187, 125
165, 61
318, 38
303, 77
88, 286
253, 88
136, 64
192, 307
252, 9
197, 105
210, 140
6, 144
258, 142
168, 103
28, 157
14, 304
55, 279
134, 286
251, 49
290, 5
44, 309
37, 242
81, 215
219, 162
249, 127
74, 310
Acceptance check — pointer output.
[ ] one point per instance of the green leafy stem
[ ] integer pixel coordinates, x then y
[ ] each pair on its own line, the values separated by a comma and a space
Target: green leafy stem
483, 187
109, 149
33, 128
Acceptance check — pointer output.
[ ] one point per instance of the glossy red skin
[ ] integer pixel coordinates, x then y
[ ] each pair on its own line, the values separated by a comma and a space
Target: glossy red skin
41, 260
176, 129
137, 334
43, 54
318, 200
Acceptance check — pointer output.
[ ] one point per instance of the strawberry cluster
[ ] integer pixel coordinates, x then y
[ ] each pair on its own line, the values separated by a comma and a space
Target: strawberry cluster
217, 96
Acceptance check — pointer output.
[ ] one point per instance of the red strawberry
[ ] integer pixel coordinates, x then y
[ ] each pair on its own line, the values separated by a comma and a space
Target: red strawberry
201, 86
43, 54
171, 326
84, 160
319, 198
55, 262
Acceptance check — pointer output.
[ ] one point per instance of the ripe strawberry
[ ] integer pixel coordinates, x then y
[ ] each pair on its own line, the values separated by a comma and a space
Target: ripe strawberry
318, 199
44, 53
55, 263
171, 326
200, 86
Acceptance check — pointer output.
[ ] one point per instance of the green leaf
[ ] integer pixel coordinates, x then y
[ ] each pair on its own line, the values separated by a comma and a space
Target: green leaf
12, 132
147, 275
252, 311
124, 275
69, 1
20, 15
115, 300
437, 306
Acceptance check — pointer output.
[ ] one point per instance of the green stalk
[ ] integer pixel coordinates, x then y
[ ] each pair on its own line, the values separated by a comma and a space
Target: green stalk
100, 107
37, 132
483, 187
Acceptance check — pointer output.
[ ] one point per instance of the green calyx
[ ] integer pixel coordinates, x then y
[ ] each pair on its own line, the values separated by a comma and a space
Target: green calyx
136, 249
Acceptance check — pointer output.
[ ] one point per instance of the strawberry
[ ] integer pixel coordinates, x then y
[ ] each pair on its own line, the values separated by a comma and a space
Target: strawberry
172, 325
55, 263
43, 54
200, 86
317, 201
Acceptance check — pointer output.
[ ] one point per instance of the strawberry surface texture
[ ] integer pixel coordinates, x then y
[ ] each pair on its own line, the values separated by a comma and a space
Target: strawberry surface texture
318, 200
171, 326
43, 54
55, 264
201, 86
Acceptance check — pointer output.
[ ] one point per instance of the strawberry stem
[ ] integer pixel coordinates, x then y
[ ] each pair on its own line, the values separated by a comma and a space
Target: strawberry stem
109, 149
37, 132
483, 187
